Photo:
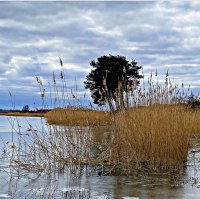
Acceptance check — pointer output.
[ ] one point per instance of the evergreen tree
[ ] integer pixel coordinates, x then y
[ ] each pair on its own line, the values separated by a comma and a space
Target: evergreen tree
110, 78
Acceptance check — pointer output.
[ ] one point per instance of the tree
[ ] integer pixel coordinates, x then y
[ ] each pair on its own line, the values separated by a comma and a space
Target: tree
25, 108
111, 78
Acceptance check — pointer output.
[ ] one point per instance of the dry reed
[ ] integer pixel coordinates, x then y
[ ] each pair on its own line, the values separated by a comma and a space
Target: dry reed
78, 117
147, 133
155, 137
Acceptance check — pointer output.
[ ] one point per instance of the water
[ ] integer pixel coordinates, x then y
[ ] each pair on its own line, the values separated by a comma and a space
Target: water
10, 124
81, 182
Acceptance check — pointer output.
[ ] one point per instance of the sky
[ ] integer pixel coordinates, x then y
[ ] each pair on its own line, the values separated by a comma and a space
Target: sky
159, 35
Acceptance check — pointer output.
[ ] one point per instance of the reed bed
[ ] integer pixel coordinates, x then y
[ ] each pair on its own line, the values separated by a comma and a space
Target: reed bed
151, 122
78, 117
151, 126
154, 137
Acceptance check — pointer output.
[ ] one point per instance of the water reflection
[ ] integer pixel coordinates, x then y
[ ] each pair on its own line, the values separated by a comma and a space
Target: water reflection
85, 182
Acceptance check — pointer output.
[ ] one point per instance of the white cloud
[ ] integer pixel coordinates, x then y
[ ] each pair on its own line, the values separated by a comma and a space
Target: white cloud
44, 43
166, 7
71, 66
188, 18
15, 64
98, 28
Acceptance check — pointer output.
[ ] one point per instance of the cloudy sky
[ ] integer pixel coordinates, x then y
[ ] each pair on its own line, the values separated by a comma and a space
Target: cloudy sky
162, 35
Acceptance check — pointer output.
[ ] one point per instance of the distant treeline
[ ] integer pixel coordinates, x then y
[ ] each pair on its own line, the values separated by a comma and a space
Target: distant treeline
25, 111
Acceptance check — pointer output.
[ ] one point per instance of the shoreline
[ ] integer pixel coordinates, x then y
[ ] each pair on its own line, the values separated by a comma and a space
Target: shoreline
25, 114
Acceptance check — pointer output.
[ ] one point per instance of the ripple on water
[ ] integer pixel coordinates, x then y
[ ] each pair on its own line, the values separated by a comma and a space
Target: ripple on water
76, 192
5, 196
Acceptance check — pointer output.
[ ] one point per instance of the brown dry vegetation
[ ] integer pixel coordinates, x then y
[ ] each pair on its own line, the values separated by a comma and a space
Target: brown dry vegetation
156, 136
78, 117
27, 114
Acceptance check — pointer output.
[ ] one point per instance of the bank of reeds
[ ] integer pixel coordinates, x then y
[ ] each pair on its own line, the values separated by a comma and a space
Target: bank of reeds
154, 137
151, 122
151, 128
78, 117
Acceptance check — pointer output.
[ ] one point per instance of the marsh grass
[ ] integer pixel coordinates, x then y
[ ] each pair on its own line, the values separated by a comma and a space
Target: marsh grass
78, 117
154, 127
154, 137
151, 129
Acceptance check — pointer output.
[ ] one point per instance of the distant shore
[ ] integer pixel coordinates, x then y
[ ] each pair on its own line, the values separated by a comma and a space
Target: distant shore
39, 113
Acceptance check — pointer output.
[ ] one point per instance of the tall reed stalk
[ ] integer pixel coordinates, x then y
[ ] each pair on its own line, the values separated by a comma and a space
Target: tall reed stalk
149, 92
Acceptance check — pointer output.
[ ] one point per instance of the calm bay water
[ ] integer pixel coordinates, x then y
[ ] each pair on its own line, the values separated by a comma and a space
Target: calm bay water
18, 183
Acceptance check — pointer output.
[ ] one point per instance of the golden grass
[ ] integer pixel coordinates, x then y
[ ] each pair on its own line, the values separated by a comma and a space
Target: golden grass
27, 114
78, 117
156, 137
